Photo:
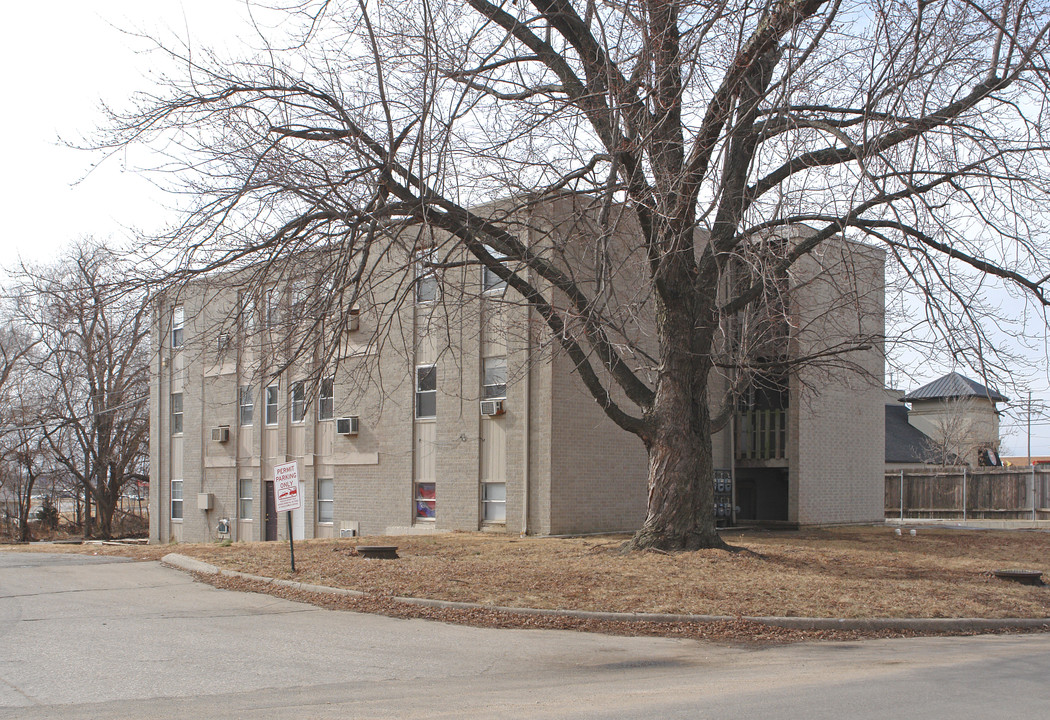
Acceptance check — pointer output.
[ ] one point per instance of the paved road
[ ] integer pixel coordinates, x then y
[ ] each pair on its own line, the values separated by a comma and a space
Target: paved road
91, 637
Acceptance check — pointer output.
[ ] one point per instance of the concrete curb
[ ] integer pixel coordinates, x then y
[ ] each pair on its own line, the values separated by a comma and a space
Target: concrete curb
795, 623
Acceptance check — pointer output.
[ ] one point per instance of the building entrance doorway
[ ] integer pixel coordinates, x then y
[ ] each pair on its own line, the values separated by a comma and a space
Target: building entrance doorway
271, 512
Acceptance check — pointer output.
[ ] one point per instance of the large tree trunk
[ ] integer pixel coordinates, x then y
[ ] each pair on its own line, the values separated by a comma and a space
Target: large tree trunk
681, 480
681, 463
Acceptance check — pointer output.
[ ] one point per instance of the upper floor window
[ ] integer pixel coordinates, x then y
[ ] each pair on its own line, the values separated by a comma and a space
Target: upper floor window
246, 312
271, 405
426, 278
298, 401
247, 404
494, 378
490, 281
426, 391
273, 308
178, 323
176, 413
326, 399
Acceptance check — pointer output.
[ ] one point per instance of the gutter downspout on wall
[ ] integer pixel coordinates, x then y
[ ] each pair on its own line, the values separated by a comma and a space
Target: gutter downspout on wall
526, 464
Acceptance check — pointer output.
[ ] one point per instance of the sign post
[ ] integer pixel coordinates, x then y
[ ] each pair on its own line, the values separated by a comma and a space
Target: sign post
286, 488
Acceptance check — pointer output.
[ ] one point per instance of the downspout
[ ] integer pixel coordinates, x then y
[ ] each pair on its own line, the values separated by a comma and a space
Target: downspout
527, 450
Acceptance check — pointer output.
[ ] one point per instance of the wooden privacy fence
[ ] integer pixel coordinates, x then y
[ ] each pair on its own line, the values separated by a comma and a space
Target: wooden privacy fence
968, 493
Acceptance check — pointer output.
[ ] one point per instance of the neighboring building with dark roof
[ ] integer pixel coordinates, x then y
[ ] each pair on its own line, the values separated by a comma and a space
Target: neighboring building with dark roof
956, 421
954, 386
905, 444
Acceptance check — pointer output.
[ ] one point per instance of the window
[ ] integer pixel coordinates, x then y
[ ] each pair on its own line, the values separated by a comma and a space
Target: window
271, 405
298, 401
490, 281
273, 308
325, 501
176, 499
494, 378
299, 299
246, 310
176, 413
494, 502
426, 278
326, 399
247, 405
425, 501
222, 343
178, 323
426, 391
245, 497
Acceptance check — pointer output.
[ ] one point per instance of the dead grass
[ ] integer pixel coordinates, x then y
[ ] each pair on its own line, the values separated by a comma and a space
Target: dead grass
841, 572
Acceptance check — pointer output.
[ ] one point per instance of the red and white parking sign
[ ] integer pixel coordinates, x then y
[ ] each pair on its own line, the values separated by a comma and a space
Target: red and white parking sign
286, 486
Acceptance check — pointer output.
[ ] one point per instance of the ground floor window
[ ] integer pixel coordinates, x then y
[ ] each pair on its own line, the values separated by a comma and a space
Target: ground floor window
245, 500
426, 499
325, 500
176, 499
494, 502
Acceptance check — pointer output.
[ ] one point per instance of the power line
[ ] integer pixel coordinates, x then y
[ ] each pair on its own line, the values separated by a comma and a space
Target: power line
43, 426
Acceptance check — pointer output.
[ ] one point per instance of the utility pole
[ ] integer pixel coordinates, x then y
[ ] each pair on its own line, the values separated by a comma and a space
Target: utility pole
1029, 427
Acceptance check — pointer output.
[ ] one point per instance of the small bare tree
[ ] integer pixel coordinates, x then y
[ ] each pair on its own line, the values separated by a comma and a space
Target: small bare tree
703, 135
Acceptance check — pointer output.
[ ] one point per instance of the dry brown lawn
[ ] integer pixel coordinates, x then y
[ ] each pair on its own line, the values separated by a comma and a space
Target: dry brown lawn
840, 572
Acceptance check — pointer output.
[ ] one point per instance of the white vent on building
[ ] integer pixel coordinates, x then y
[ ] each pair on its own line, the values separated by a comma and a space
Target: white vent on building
491, 407
220, 434
347, 425
349, 528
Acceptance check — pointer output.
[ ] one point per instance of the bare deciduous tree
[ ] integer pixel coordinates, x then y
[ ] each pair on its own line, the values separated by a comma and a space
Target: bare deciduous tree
713, 130
93, 347
23, 457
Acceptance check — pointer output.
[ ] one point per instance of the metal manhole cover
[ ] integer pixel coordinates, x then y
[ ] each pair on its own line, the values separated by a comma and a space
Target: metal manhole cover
1025, 577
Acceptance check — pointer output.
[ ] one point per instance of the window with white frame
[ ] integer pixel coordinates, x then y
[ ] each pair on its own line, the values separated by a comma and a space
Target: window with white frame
426, 391
426, 277
426, 501
494, 502
494, 378
247, 405
273, 308
178, 324
298, 401
246, 312
245, 497
271, 404
326, 399
176, 413
176, 499
299, 298
490, 281
325, 501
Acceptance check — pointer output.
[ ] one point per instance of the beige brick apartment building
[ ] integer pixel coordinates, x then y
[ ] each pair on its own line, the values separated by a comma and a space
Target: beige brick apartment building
444, 409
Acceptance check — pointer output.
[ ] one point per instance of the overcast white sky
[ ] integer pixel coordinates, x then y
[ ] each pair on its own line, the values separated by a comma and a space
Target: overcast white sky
62, 60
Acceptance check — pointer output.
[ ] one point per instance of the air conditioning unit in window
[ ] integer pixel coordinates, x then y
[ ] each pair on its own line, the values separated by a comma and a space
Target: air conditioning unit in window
347, 425
220, 434
491, 407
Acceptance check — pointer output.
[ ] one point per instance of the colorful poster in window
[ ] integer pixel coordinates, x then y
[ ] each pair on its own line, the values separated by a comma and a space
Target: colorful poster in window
425, 501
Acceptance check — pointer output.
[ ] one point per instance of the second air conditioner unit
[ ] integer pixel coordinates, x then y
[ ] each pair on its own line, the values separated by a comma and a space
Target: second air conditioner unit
492, 407
347, 425
220, 434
